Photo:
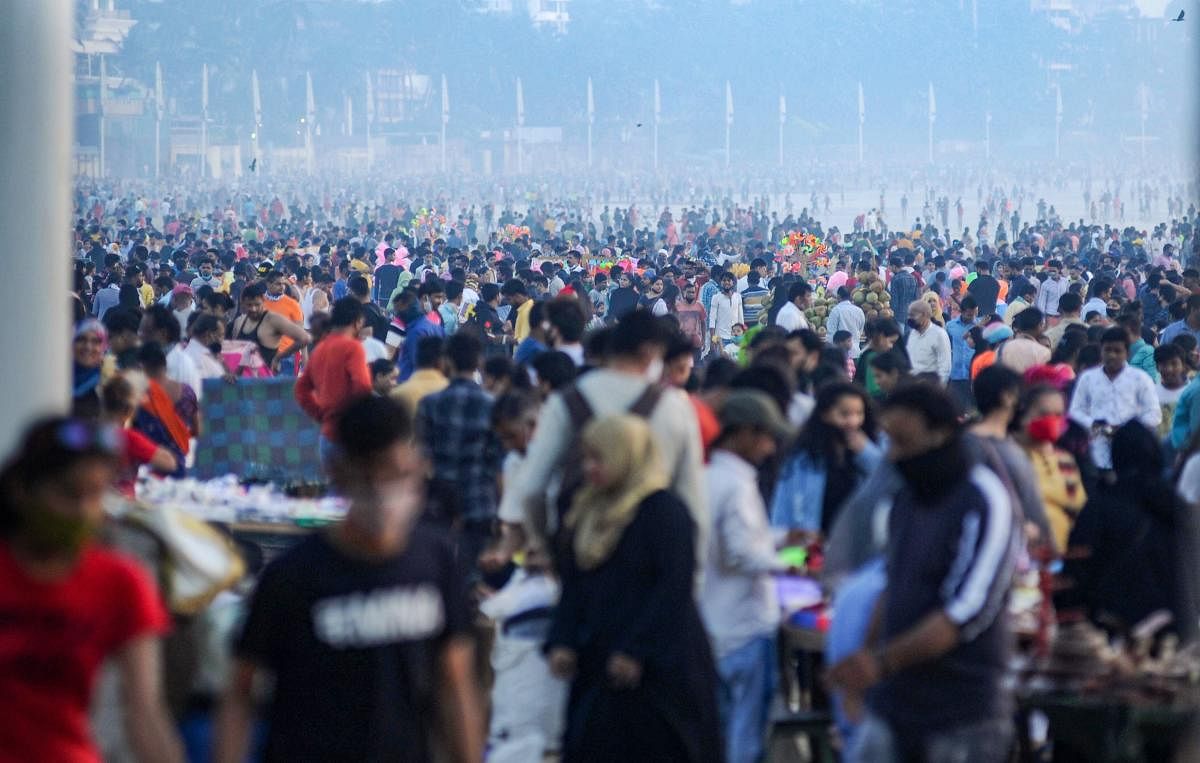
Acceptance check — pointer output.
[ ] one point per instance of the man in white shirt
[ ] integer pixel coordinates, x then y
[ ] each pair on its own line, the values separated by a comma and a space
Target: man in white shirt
928, 344
1051, 290
638, 350
1112, 394
725, 312
738, 600
791, 316
846, 316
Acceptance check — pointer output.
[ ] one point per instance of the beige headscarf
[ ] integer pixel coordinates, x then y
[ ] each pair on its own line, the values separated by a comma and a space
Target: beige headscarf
598, 517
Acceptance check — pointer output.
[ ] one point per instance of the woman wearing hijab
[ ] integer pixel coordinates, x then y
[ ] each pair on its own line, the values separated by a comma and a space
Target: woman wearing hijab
626, 632
1129, 547
88, 349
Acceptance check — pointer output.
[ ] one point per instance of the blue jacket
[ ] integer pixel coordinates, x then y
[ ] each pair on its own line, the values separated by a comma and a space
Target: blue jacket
800, 492
420, 328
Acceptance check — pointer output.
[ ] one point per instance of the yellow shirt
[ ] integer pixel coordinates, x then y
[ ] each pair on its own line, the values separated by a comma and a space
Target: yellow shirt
1062, 491
423, 382
146, 294
521, 324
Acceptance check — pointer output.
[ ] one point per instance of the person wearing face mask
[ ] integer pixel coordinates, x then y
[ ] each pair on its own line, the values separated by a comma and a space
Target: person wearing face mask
629, 379
1039, 422
380, 588
204, 276
932, 673
928, 344
1051, 290
60, 586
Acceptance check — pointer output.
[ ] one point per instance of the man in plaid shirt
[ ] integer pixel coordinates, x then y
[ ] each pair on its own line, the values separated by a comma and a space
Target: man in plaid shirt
454, 427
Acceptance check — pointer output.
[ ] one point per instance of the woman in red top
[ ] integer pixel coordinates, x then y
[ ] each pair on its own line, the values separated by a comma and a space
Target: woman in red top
119, 401
67, 605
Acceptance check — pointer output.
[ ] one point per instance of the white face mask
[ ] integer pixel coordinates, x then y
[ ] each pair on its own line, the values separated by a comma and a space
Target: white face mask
654, 371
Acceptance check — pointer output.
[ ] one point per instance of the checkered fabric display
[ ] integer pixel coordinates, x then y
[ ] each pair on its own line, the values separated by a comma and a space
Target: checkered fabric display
254, 429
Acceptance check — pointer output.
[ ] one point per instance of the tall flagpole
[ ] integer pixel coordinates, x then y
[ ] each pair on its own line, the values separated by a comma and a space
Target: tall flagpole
204, 121
1058, 116
657, 120
1145, 99
987, 136
932, 119
520, 126
310, 116
782, 122
158, 115
591, 118
103, 99
370, 118
728, 118
445, 119
862, 115
255, 136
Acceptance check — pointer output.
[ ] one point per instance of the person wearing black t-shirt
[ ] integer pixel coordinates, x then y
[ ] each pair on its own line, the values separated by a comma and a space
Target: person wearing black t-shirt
933, 677
364, 627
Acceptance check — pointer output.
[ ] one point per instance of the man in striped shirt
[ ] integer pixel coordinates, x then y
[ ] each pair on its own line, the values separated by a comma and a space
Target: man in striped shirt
936, 664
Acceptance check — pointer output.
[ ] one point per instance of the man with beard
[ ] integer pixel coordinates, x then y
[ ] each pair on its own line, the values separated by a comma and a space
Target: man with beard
692, 318
264, 328
935, 667
726, 311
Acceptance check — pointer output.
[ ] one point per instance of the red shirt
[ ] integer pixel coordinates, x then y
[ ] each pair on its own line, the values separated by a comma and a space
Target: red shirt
336, 375
53, 639
138, 450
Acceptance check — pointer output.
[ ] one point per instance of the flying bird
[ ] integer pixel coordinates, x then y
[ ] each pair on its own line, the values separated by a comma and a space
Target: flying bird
639, 124
253, 164
1179, 17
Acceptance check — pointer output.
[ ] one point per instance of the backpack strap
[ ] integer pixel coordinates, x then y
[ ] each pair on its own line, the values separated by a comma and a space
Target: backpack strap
645, 404
577, 407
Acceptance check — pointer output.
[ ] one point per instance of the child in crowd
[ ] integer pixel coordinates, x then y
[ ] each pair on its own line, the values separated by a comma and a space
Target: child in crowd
842, 340
733, 348
383, 376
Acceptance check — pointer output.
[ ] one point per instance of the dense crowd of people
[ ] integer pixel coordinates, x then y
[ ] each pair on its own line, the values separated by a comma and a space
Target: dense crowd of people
624, 417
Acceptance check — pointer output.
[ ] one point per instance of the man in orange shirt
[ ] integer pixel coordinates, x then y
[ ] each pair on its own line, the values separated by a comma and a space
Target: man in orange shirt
279, 302
336, 375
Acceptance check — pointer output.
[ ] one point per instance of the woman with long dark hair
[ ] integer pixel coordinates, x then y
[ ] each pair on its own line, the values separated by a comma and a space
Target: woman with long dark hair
68, 605
833, 453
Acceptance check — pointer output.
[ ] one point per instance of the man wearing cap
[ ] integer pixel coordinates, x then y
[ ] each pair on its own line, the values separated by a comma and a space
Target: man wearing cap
738, 600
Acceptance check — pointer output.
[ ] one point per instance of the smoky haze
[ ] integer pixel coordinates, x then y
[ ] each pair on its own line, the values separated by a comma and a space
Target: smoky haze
1125, 74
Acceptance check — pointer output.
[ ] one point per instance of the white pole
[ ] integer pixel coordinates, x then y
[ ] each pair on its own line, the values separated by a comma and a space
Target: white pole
862, 115
445, 119
591, 118
782, 121
728, 119
987, 137
35, 152
158, 115
204, 121
520, 126
657, 120
370, 118
932, 118
103, 98
256, 136
310, 115
1058, 115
